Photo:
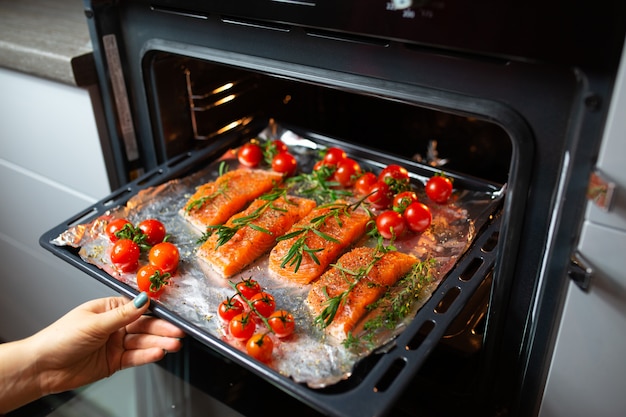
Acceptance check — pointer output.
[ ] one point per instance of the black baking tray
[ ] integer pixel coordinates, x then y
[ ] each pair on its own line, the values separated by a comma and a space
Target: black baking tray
377, 380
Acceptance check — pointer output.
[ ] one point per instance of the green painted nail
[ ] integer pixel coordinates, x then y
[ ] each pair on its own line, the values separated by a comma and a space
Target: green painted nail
140, 300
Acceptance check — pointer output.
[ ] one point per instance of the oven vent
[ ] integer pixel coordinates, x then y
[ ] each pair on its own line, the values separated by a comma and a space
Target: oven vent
344, 37
259, 24
180, 12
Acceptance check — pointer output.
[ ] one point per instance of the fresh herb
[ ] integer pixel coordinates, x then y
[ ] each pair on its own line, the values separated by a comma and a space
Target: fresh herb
318, 185
225, 233
395, 306
332, 304
299, 248
197, 204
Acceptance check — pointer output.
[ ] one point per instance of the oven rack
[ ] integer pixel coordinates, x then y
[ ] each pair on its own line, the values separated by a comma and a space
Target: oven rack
379, 379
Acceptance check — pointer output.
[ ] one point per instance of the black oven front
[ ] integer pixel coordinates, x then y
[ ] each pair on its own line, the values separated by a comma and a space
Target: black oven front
507, 94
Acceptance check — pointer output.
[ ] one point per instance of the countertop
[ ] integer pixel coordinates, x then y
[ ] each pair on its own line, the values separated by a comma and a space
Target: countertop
46, 38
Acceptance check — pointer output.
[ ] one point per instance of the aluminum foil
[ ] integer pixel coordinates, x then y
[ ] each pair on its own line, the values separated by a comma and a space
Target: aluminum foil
307, 356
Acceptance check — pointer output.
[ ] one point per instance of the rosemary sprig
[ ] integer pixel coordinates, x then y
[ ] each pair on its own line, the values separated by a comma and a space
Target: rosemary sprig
296, 253
225, 233
197, 204
318, 185
395, 306
332, 304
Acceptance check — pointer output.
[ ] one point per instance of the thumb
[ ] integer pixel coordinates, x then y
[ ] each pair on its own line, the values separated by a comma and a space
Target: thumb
125, 314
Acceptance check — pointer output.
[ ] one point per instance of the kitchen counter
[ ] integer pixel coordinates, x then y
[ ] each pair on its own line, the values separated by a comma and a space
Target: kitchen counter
48, 39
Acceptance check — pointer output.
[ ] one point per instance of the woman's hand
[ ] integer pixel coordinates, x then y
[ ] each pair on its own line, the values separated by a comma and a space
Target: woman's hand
90, 342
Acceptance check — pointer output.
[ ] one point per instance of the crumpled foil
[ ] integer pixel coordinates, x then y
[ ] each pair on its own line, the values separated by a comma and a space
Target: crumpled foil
307, 356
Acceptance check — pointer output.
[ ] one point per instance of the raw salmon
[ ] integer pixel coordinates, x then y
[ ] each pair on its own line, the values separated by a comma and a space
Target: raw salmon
215, 202
358, 279
316, 241
250, 234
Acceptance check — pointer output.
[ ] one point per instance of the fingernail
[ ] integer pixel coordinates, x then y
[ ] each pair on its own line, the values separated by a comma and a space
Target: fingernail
140, 300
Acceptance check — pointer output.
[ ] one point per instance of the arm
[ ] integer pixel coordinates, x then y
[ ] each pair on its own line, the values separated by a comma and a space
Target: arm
89, 343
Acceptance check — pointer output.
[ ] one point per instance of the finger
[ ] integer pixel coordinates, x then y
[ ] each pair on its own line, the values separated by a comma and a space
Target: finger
155, 326
124, 314
146, 341
140, 357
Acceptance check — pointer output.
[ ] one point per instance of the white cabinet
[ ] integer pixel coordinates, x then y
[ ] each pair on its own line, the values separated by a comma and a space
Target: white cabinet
51, 167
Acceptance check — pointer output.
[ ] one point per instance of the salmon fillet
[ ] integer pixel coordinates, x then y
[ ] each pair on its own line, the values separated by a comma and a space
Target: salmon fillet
316, 241
358, 279
255, 232
215, 202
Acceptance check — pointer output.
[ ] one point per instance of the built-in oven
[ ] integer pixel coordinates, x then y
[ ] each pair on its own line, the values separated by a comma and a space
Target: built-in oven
509, 98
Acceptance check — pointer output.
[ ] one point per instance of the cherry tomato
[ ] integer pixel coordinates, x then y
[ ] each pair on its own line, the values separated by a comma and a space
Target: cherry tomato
250, 154
347, 171
263, 303
241, 327
115, 226
395, 172
282, 323
125, 255
278, 146
418, 217
229, 308
152, 280
260, 347
285, 163
365, 182
402, 200
165, 256
380, 195
248, 288
390, 224
439, 188
334, 155
154, 231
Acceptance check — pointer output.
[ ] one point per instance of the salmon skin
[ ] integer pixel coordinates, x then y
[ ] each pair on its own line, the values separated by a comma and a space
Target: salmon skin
340, 298
215, 202
248, 235
312, 244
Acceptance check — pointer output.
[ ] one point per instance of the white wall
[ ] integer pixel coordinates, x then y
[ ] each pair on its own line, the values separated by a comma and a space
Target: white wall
51, 167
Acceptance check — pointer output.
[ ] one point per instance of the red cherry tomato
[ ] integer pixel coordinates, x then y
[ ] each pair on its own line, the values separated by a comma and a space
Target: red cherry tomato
250, 154
365, 182
125, 255
402, 200
115, 226
165, 256
229, 308
418, 217
241, 327
395, 172
439, 188
260, 347
152, 280
154, 231
285, 163
278, 146
347, 171
334, 155
282, 323
380, 195
263, 303
390, 224
248, 288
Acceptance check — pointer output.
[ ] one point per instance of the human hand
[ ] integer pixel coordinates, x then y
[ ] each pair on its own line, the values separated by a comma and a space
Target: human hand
97, 339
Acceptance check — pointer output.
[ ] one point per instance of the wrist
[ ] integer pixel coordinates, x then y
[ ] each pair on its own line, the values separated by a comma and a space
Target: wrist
20, 381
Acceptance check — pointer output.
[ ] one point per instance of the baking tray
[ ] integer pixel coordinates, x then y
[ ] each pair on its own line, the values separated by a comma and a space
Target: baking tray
377, 380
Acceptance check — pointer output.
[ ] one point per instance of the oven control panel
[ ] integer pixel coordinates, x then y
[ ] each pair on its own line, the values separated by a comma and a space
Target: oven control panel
558, 31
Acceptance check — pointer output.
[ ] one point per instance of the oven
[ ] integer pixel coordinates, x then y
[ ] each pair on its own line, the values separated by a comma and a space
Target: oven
512, 97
